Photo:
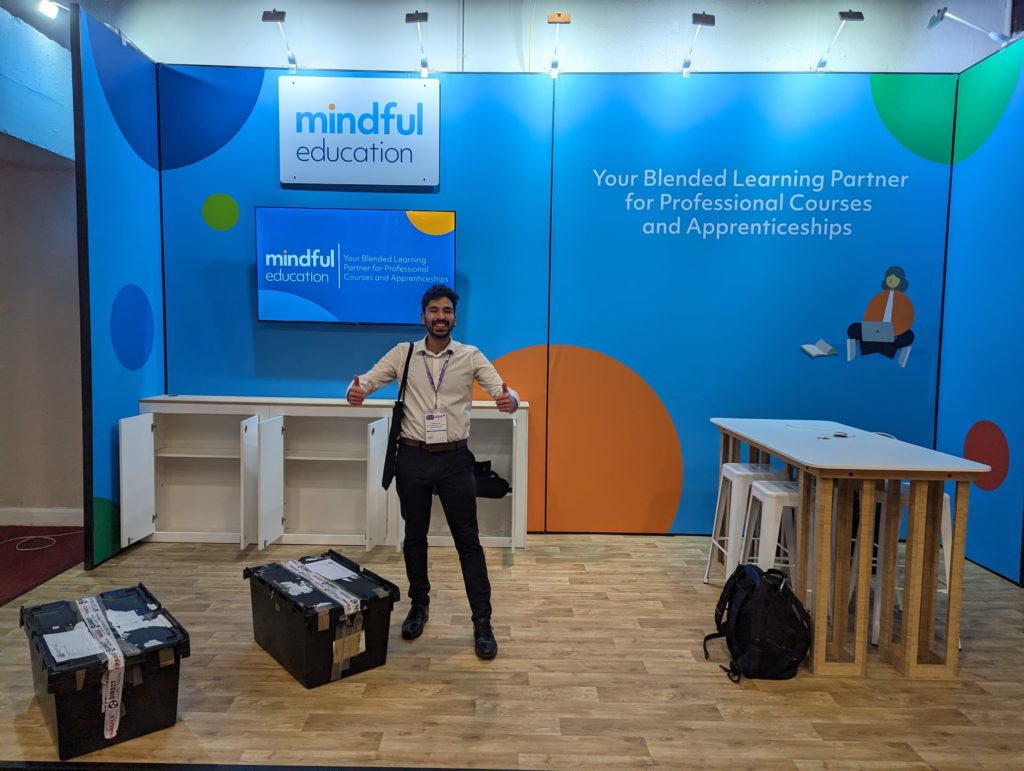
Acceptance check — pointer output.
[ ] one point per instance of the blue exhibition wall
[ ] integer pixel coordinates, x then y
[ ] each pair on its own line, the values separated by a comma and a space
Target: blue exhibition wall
982, 349
220, 149
705, 229
119, 233
705, 233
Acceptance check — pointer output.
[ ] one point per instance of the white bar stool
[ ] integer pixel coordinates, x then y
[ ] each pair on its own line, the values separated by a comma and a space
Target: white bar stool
946, 535
730, 510
772, 512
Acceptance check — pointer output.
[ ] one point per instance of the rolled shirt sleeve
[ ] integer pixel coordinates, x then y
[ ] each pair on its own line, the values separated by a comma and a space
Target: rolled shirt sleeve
384, 371
489, 379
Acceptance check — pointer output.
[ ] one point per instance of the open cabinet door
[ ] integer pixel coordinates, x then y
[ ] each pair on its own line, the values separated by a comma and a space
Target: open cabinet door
250, 470
376, 495
270, 524
138, 478
520, 465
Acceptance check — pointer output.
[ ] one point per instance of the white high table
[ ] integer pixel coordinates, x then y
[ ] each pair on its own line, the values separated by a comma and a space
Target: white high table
833, 460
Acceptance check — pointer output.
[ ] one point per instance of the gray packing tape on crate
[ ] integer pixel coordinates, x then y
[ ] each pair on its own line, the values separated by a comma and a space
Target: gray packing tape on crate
348, 643
349, 602
113, 679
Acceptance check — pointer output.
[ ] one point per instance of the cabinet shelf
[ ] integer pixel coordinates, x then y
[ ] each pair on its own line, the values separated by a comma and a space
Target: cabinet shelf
198, 452
323, 455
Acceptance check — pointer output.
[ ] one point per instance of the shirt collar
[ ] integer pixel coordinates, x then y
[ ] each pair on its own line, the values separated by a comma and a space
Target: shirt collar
421, 347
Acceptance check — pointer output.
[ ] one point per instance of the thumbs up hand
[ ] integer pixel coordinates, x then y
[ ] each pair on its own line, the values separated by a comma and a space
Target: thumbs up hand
356, 393
505, 401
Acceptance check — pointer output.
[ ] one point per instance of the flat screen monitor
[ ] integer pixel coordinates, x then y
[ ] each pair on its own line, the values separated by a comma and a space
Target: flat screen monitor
368, 266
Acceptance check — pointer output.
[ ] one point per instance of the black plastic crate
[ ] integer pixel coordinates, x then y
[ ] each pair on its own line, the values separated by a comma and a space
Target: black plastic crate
70, 686
312, 633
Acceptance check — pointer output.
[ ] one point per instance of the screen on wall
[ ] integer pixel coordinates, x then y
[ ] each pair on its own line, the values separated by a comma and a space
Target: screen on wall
367, 266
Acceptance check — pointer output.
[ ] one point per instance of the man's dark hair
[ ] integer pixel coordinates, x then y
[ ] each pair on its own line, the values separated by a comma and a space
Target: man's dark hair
436, 292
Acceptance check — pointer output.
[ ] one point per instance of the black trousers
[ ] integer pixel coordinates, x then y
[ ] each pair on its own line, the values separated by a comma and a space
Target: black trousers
417, 473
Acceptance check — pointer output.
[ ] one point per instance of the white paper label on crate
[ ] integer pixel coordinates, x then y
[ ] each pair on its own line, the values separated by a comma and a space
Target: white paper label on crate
113, 679
349, 602
125, 621
74, 644
331, 570
296, 588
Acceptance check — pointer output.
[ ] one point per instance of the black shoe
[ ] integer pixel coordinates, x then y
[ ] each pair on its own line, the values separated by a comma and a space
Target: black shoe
412, 627
483, 639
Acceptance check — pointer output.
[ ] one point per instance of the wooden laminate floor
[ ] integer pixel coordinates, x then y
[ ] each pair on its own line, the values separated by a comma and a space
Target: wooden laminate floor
600, 665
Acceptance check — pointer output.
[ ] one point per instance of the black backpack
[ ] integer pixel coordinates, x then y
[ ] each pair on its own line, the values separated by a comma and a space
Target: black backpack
766, 628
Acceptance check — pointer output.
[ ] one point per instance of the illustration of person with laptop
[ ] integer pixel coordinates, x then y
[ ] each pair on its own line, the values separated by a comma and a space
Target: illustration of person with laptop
887, 319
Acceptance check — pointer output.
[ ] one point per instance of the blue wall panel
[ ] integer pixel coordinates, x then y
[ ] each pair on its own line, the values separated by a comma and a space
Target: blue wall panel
983, 351
122, 202
706, 326
495, 161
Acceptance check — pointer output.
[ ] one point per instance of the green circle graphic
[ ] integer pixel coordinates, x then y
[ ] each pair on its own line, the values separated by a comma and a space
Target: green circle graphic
985, 92
220, 211
918, 111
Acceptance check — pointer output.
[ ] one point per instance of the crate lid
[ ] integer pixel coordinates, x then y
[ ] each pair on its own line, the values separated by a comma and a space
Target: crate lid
140, 625
328, 581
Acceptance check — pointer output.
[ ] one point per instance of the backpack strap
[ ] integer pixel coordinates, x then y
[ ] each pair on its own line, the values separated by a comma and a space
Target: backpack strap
723, 602
731, 671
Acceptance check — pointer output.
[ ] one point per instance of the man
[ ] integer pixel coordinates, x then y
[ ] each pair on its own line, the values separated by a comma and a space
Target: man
433, 454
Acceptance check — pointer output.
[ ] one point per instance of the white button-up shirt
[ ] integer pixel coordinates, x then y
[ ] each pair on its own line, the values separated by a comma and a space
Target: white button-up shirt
465, 363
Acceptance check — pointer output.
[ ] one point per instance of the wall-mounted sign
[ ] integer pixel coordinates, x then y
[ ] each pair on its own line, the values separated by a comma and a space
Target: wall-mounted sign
359, 131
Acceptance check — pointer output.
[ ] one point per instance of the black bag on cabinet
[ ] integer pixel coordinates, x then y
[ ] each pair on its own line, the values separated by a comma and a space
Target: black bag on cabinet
488, 483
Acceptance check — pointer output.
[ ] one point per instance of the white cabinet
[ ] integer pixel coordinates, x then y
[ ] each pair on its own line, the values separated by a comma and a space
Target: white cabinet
500, 439
183, 477
252, 470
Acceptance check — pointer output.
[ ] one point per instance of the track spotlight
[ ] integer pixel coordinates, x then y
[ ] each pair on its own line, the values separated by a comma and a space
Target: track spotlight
558, 18
699, 20
275, 16
844, 16
943, 13
418, 18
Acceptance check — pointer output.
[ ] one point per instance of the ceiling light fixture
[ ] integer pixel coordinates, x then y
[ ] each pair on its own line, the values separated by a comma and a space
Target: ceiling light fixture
844, 16
418, 18
700, 20
275, 16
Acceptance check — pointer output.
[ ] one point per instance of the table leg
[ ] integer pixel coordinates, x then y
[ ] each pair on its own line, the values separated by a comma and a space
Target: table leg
865, 536
841, 569
804, 549
956, 576
887, 564
822, 567
930, 576
913, 576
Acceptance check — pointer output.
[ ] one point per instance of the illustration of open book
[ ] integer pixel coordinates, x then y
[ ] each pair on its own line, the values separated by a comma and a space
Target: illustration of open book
820, 348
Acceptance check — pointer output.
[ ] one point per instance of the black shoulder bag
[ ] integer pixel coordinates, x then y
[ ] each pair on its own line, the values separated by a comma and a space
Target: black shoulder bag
397, 412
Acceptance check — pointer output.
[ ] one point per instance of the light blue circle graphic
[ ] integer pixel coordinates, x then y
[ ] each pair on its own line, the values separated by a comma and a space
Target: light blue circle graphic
132, 327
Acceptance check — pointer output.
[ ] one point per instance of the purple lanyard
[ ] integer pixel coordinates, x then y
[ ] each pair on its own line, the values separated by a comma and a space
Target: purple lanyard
440, 378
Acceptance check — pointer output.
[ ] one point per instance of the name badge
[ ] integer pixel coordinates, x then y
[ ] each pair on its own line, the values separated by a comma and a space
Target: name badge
436, 426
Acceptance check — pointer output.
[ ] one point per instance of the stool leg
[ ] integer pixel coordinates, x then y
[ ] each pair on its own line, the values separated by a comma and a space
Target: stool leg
737, 514
947, 547
754, 518
720, 508
789, 533
771, 523
947, 535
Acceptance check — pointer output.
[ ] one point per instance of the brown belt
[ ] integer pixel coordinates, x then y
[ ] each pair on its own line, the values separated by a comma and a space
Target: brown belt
436, 447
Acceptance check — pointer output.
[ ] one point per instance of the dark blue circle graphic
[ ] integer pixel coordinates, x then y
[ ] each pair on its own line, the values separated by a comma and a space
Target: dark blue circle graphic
132, 327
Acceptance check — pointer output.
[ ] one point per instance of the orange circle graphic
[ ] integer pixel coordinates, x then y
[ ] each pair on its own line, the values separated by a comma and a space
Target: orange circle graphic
601, 440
